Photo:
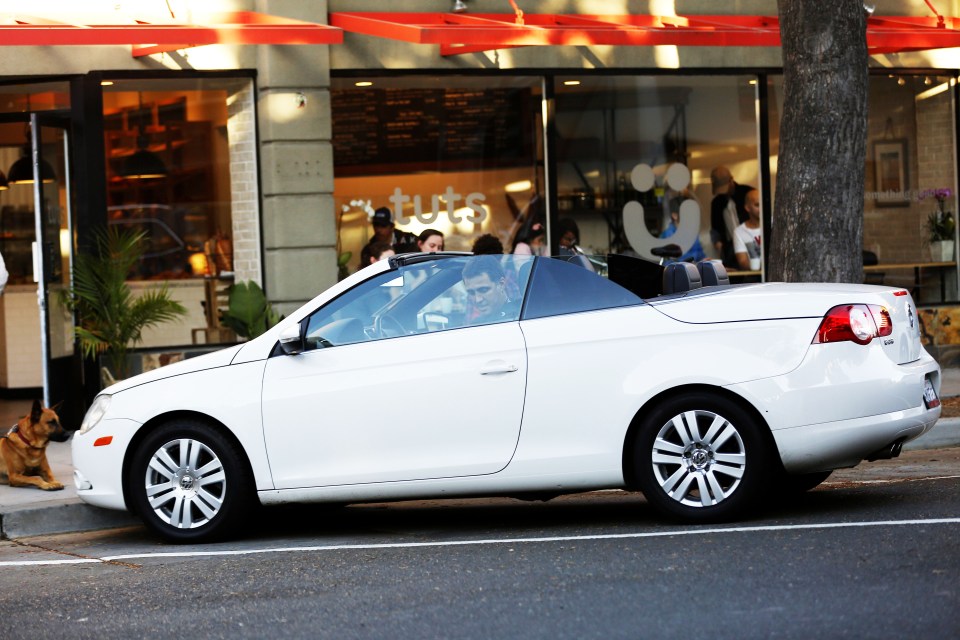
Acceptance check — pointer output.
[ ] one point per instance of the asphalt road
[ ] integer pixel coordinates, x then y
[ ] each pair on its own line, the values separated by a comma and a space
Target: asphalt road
871, 554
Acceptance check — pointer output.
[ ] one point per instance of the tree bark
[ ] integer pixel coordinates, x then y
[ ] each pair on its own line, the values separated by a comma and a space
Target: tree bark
817, 221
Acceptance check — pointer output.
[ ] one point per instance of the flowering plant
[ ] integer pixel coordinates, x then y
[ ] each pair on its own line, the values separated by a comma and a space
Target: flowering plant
940, 222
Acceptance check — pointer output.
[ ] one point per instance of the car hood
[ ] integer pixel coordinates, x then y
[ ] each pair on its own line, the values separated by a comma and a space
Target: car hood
220, 358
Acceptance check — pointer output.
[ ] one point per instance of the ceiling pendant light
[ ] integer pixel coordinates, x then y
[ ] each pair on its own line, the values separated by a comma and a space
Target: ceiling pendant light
4, 184
143, 164
21, 171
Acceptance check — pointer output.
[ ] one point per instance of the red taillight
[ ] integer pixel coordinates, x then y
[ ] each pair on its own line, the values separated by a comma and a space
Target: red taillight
900, 293
853, 322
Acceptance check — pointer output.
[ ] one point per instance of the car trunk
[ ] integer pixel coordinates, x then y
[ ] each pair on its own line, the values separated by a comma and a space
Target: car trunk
808, 300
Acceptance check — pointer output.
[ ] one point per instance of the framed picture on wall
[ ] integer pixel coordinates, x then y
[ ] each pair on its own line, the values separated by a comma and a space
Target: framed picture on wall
892, 177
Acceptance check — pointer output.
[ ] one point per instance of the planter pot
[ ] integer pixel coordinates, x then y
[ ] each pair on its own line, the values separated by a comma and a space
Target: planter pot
941, 250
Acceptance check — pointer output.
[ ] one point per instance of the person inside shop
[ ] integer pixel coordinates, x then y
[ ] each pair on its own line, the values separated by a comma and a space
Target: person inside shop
569, 234
695, 253
487, 244
385, 231
486, 286
748, 236
532, 242
380, 251
430, 241
727, 211
4, 276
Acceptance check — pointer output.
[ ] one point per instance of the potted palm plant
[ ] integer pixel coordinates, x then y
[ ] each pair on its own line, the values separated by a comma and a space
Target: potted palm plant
249, 313
110, 319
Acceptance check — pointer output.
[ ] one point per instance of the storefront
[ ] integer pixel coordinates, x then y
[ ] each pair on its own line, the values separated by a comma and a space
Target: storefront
402, 141
261, 156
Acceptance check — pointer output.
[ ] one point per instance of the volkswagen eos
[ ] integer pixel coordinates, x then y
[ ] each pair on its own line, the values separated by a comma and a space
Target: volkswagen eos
441, 375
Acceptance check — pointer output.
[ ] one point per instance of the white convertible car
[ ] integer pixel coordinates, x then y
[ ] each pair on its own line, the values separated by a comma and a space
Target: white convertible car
436, 375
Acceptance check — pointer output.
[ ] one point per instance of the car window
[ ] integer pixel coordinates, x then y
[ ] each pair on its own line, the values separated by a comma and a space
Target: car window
572, 284
435, 295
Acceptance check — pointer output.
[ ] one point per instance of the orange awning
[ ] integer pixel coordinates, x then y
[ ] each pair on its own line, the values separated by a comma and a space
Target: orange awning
465, 33
241, 27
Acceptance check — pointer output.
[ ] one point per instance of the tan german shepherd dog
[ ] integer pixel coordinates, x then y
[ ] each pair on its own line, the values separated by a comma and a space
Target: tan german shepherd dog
23, 450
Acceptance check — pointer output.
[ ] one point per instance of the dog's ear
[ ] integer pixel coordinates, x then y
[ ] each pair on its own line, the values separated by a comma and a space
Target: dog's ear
36, 412
57, 406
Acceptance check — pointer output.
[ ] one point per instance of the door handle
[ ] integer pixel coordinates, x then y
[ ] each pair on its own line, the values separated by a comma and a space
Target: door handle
497, 366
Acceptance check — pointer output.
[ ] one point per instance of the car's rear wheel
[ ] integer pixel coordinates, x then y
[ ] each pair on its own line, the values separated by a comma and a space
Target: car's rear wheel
189, 483
701, 457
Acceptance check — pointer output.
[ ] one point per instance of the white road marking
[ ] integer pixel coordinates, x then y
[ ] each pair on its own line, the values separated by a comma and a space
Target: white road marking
466, 543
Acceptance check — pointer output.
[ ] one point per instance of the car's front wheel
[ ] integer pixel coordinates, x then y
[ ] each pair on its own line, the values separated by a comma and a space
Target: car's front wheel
188, 482
701, 457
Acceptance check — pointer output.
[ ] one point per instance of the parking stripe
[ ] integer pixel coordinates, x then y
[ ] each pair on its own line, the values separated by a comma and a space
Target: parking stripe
466, 543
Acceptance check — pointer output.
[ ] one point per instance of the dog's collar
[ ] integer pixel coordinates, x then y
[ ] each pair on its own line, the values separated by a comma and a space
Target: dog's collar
15, 430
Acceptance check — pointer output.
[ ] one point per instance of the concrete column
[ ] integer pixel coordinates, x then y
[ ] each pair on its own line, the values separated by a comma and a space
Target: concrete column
296, 162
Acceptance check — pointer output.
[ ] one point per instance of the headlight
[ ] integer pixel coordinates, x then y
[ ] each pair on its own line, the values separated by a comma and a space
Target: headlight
94, 414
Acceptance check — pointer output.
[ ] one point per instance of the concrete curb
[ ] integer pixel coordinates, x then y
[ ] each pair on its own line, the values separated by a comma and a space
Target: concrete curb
60, 516
69, 515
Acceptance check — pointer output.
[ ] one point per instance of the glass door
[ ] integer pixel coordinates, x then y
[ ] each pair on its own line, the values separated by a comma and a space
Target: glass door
52, 259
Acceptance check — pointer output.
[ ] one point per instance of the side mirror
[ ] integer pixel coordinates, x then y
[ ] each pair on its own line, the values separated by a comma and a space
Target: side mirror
291, 341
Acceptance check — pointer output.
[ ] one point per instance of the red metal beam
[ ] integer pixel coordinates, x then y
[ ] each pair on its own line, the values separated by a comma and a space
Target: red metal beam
241, 27
464, 33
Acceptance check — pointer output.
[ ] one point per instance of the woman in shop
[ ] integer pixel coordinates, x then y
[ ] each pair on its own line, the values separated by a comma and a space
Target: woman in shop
531, 243
430, 241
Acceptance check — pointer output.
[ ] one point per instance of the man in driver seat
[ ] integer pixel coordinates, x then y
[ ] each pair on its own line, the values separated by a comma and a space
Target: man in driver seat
487, 296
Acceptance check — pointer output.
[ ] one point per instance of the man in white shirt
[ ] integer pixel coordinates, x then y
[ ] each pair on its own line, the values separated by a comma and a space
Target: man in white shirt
748, 236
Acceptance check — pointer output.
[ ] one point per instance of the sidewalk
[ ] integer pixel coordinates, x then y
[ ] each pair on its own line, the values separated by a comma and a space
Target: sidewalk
30, 512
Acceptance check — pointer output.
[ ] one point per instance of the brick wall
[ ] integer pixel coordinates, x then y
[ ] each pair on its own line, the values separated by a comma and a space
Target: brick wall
241, 132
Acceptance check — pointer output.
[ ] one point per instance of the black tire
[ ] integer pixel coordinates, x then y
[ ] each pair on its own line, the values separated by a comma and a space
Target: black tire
189, 483
800, 483
713, 475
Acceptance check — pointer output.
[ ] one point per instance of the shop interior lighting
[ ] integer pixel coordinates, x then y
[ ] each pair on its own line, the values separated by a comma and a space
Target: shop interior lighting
143, 164
571, 83
363, 83
459, 6
518, 186
21, 171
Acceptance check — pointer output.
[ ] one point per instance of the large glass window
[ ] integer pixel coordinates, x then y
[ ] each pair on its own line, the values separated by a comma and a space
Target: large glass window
635, 155
170, 144
17, 230
910, 204
459, 155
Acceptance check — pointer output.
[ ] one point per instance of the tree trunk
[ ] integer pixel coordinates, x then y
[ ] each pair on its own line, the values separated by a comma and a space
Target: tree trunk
817, 221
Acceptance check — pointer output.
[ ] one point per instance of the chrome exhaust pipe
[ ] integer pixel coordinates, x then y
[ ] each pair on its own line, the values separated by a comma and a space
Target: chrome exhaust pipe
891, 450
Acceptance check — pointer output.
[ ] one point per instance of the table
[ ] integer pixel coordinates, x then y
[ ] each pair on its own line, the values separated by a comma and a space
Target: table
917, 267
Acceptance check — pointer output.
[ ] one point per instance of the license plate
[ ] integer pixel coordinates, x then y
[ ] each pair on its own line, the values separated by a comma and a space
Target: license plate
930, 395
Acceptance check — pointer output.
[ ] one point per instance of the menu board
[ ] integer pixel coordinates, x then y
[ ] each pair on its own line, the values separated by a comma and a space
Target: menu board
392, 130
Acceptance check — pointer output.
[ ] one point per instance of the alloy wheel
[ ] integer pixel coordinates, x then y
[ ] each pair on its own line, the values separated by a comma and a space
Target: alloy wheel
185, 483
698, 458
